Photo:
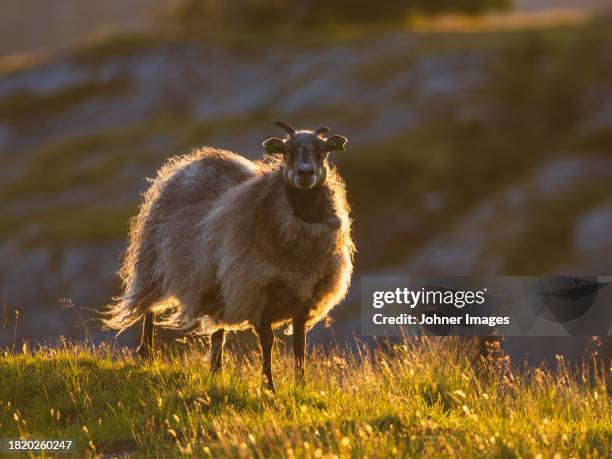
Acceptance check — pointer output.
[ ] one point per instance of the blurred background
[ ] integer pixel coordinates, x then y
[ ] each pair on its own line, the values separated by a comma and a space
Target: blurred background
480, 135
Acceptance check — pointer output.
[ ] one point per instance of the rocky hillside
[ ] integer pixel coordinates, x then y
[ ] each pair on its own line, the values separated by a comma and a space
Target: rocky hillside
471, 153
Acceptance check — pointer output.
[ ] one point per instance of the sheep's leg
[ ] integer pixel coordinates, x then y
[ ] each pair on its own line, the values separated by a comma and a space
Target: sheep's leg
299, 344
145, 349
266, 341
217, 339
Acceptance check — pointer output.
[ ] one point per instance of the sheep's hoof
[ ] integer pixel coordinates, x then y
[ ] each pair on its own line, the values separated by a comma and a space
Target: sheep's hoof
144, 352
269, 386
216, 370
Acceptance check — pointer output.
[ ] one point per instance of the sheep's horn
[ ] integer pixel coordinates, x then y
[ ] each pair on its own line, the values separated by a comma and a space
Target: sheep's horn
321, 130
287, 127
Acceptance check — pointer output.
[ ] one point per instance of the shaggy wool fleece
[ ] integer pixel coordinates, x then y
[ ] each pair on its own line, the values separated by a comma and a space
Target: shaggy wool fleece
217, 242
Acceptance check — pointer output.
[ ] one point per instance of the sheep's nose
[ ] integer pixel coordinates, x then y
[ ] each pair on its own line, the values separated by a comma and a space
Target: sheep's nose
305, 170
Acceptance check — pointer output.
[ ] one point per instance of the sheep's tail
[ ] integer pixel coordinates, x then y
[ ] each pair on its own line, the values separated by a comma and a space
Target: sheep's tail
171, 313
121, 314
126, 310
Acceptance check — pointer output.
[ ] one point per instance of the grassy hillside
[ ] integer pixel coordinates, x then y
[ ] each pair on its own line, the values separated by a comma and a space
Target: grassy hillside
425, 398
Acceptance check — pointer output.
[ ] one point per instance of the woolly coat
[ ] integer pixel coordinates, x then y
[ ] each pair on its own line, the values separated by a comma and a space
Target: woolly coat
217, 242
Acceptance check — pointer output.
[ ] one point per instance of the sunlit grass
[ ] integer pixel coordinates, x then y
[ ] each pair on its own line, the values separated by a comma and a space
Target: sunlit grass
426, 398
457, 23
21, 61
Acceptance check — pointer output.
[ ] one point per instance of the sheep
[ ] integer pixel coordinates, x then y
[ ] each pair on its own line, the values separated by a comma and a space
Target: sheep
222, 243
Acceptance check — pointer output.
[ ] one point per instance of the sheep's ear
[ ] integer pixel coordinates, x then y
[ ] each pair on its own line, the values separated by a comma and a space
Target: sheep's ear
273, 145
336, 143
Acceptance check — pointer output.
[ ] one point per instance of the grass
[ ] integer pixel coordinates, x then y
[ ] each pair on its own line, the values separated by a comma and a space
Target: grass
553, 223
24, 106
424, 398
104, 48
58, 166
99, 50
83, 224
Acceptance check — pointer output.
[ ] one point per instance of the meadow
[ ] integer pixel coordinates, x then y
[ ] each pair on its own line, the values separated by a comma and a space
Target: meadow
494, 139
432, 397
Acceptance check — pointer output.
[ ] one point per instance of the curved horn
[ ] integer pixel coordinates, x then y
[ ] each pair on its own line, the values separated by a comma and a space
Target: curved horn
287, 127
321, 130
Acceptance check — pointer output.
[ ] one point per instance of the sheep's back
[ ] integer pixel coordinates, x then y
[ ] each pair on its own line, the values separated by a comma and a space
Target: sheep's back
188, 189
201, 178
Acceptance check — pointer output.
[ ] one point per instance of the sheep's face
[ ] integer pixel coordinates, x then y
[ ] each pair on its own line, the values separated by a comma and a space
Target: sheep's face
305, 156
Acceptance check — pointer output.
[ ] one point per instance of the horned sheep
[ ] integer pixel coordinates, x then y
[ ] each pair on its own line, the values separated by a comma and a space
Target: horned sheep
224, 243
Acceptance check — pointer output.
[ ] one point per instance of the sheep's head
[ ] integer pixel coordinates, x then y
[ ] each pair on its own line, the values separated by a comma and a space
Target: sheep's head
305, 154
